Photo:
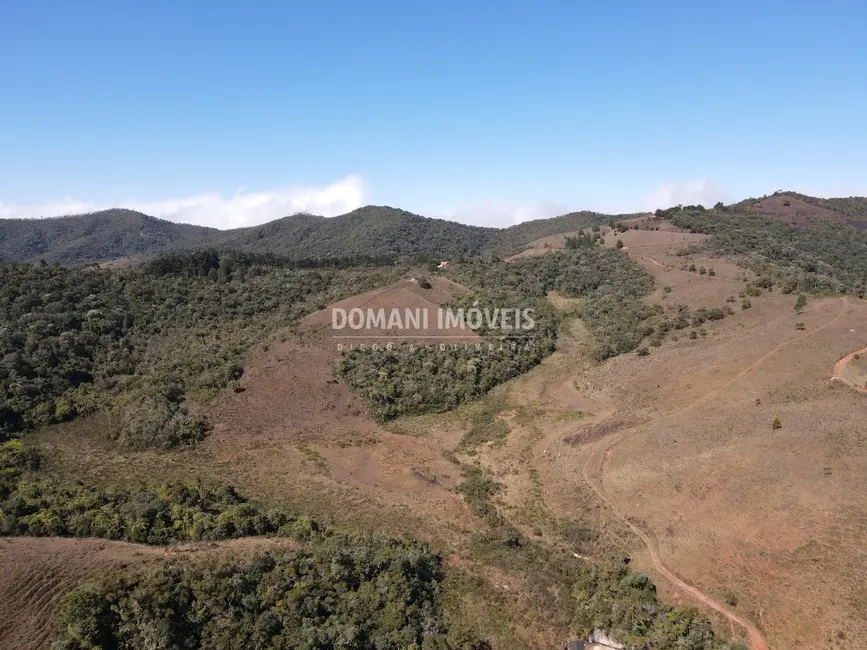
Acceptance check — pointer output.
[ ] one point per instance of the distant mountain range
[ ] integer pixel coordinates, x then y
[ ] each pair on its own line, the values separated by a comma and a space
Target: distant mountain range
368, 231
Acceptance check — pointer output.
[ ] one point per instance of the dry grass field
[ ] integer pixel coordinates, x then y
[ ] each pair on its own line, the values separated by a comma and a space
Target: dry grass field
670, 457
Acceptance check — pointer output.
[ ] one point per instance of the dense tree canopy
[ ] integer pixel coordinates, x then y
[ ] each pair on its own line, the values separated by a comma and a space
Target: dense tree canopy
139, 340
342, 592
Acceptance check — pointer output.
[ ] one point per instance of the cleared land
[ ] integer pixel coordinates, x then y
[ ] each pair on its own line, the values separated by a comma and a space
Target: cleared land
673, 452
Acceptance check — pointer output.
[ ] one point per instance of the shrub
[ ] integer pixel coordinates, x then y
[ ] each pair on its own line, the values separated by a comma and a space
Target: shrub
800, 303
155, 420
776, 424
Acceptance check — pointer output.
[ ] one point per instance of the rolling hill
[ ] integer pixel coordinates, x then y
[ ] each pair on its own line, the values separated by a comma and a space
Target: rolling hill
373, 231
801, 210
379, 231
96, 236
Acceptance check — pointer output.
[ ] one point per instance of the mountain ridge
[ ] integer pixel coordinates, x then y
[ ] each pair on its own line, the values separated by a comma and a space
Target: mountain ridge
382, 231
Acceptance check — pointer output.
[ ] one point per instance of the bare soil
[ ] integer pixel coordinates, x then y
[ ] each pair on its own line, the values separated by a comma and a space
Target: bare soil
670, 457
794, 211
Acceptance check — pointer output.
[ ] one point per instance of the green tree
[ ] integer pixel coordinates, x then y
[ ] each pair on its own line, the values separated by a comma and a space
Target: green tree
800, 303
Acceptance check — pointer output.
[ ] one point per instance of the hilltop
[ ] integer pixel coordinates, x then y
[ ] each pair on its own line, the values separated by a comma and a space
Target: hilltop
95, 236
681, 430
801, 210
371, 231
379, 231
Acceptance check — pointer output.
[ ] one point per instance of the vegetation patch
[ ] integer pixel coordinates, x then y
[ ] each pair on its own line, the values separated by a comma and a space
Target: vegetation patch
149, 514
412, 379
611, 284
485, 425
136, 342
349, 591
824, 256
581, 596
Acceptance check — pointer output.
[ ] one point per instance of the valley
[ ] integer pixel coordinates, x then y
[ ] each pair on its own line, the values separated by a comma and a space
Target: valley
684, 425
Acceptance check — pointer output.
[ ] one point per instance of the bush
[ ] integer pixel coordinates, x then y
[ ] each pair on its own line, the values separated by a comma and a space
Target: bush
776, 424
800, 303
154, 420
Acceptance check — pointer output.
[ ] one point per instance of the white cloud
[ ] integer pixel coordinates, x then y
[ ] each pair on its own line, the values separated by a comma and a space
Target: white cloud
246, 208
500, 214
704, 192
241, 209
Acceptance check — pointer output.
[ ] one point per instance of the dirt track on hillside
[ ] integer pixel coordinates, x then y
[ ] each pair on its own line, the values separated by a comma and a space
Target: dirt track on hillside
603, 449
842, 364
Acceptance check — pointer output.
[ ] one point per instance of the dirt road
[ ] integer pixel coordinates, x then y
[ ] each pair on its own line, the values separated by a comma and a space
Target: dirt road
596, 461
840, 369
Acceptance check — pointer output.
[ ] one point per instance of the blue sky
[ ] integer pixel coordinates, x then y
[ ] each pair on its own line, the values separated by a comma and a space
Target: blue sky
487, 112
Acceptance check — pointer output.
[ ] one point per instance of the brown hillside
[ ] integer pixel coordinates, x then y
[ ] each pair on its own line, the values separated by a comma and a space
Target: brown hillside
402, 297
767, 524
794, 211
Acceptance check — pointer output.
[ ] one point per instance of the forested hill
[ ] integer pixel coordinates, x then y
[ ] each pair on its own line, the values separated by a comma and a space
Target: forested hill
96, 236
509, 239
371, 231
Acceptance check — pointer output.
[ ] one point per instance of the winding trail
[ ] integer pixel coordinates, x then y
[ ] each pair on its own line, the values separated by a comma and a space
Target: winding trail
840, 367
603, 449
